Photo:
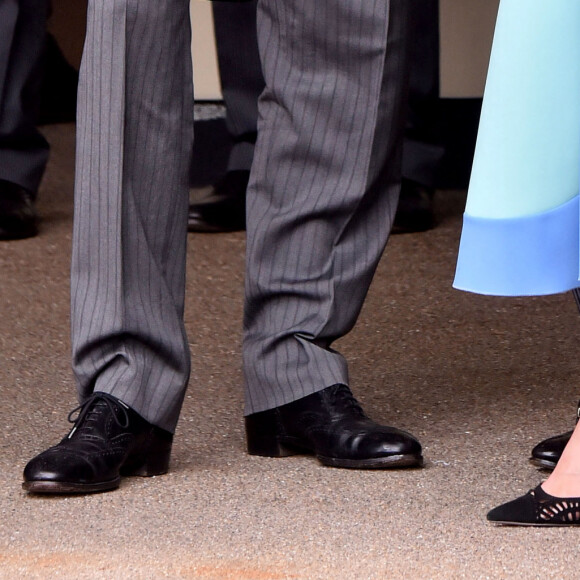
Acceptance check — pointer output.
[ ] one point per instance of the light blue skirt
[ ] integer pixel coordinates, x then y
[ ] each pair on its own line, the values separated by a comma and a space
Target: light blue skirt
521, 225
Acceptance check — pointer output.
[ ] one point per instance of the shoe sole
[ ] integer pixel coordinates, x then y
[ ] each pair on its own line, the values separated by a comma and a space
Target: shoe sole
391, 462
63, 487
543, 463
533, 524
279, 448
7, 235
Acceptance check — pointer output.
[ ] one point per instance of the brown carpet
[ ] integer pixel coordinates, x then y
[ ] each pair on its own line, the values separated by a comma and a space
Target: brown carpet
478, 380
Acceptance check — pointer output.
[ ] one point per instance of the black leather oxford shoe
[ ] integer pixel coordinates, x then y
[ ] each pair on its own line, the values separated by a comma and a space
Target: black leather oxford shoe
225, 209
18, 218
546, 454
415, 210
108, 440
331, 425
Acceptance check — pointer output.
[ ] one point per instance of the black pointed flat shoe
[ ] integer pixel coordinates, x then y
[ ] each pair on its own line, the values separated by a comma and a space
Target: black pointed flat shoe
108, 440
537, 508
331, 425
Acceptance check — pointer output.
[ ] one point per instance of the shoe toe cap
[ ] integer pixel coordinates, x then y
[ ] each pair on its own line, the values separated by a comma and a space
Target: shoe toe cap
551, 449
59, 466
520, 510
384, 442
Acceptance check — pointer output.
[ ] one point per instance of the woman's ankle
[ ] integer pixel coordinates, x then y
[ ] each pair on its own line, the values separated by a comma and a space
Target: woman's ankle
562, 484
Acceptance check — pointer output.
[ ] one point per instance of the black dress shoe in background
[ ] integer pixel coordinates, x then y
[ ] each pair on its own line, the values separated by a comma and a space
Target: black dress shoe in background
18, 217
546, 454
415, 209
58, 92
537, 508
331, 425
225, 209
108, 440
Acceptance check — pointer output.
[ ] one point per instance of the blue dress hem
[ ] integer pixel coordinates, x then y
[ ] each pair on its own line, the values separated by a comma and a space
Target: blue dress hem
525, 256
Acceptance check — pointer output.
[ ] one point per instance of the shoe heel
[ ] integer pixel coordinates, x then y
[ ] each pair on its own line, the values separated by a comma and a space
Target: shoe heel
263, 435
153, 458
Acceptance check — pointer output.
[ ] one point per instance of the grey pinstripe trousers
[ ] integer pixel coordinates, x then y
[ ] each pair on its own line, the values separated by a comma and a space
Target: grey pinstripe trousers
324, 187
329, 132
242, 83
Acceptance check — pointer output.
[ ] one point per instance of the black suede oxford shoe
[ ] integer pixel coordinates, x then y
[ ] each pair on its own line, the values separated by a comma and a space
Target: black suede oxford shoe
108, 440
331, 425
546, 454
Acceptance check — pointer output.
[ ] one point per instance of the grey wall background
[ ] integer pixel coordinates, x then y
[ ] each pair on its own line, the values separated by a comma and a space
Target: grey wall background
466, 35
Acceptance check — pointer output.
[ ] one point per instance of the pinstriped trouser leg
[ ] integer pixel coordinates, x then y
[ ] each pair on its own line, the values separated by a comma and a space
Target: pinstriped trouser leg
318, 220
240, 74
135, 133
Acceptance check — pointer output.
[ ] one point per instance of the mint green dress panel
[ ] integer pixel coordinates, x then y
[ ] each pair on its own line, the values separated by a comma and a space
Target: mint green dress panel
528, 146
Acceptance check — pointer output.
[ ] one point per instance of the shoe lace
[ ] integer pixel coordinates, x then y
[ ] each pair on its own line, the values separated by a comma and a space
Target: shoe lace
343, 398
84, 410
